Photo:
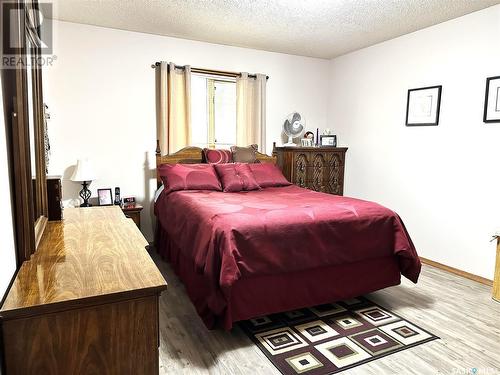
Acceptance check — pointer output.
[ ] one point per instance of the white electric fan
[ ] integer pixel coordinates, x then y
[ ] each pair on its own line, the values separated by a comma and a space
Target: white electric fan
293, 127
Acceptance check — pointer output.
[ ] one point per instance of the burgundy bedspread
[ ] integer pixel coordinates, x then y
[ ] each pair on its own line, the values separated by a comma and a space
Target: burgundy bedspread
277, 230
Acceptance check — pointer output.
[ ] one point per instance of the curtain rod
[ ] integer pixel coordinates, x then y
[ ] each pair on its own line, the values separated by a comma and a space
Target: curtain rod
209, 71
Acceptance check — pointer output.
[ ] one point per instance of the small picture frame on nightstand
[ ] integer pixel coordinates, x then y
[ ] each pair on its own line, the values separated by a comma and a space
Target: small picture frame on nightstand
105, 197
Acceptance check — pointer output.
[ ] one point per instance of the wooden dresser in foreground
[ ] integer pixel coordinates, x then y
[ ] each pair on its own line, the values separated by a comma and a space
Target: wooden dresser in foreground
315, 168
86, 302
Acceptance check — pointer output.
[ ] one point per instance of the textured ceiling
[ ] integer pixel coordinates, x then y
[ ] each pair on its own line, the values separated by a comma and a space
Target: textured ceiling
317, 28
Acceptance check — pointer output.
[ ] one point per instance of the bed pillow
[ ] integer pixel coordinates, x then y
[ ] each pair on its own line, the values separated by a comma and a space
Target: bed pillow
244, 154
268, 175
189, 177
217, 156
236, 177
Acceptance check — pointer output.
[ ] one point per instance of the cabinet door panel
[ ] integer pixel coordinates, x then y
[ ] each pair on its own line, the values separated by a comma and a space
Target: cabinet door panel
319, 169
335, 178
301, 172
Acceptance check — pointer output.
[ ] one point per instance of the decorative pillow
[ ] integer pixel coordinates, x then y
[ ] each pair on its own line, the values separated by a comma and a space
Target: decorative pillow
244, 154
268, 175
217, 156
236, 177
189, 177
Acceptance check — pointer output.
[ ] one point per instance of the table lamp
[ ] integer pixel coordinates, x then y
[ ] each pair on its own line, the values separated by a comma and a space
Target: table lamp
83, 173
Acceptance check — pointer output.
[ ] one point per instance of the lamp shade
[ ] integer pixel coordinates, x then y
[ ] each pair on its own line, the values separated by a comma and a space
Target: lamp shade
83, 171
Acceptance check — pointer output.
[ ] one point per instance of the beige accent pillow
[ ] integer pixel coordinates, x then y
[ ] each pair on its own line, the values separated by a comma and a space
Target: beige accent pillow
244, 154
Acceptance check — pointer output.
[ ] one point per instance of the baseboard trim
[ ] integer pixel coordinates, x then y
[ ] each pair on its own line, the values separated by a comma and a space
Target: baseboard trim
456, 271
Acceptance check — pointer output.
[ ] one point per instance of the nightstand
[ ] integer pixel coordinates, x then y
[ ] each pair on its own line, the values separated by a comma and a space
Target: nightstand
133, 212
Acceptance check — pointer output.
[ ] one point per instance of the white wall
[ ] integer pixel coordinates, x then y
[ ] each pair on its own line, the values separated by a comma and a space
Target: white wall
7, 250
442, 180
101, 94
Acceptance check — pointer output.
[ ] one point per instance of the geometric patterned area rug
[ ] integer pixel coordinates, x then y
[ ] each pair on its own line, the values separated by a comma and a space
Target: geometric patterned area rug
333, 337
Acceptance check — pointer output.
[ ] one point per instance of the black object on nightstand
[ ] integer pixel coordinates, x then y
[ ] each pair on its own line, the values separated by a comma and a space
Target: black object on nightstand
133, 211
54, 197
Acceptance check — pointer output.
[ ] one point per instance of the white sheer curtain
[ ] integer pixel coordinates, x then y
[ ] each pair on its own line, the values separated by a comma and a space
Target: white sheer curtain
251, 110
173, 107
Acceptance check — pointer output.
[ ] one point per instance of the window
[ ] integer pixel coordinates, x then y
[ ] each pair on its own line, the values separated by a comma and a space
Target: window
213, 111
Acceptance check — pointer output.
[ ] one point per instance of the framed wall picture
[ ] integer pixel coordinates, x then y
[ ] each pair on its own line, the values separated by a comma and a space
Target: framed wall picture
329, 140
105, 197
422, 106
492, 100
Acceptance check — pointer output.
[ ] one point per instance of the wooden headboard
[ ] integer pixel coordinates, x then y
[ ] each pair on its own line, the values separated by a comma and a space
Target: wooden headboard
193, 155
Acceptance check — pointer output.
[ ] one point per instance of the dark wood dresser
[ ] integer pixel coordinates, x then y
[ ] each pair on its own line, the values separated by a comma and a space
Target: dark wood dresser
315, 168
86, 302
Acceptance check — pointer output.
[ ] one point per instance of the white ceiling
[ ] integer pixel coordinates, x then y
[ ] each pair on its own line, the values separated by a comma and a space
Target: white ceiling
317, 28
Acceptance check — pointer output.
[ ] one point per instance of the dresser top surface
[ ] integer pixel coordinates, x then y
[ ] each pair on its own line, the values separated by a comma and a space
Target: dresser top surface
93, 252
311, 148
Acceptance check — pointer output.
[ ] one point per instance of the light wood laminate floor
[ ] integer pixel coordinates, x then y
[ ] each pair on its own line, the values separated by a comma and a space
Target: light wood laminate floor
458, 310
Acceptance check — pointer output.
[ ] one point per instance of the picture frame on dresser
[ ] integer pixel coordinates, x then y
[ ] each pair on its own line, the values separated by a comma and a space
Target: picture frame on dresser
492, 100
328, 140
423, 106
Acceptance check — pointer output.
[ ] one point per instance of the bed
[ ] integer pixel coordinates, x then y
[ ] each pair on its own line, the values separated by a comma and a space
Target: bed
246, 254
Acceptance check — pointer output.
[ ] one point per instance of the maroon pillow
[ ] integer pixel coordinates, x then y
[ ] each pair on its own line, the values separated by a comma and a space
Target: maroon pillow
217, 156
189, 177
268, 175
236, 177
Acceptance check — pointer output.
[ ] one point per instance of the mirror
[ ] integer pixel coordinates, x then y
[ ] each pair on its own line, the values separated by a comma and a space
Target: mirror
33, 104
23, 106
31, 129
8, 249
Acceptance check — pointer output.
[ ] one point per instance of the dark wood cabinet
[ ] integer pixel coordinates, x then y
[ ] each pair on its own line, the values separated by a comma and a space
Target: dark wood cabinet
315, 168
54, 196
